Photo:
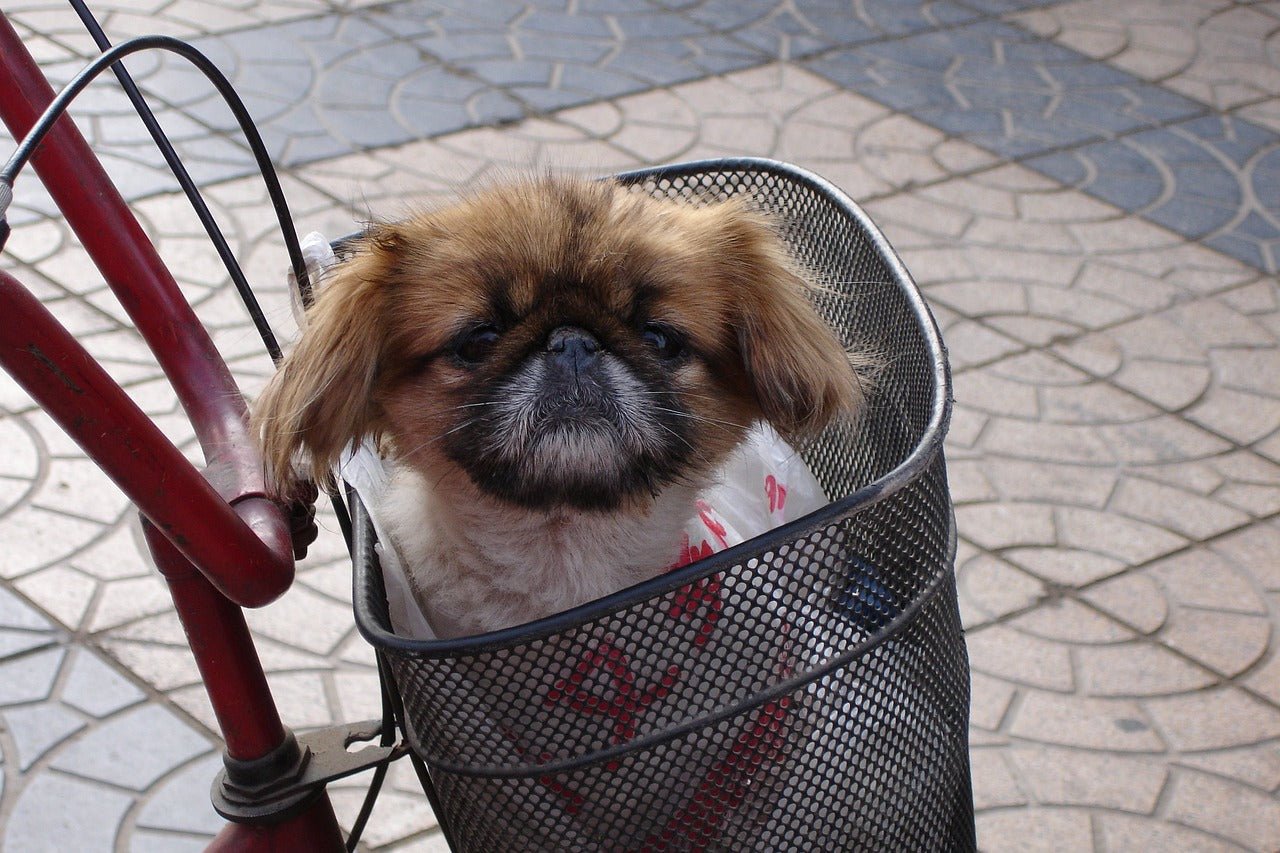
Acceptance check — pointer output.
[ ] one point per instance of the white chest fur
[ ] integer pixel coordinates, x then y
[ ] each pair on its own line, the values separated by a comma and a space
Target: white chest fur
475, 564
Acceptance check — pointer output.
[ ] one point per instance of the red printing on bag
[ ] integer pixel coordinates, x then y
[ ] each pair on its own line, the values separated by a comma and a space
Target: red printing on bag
777, 493
605, 682
623, 702
727, 783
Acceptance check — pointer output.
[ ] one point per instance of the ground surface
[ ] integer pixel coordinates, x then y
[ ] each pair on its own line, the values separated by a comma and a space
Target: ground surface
1087, 192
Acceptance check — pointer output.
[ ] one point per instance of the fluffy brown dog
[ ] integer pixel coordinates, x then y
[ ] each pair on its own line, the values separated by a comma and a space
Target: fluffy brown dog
557, 369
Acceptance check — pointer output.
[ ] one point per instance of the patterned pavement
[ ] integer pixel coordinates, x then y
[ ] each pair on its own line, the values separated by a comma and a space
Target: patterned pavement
1087, 192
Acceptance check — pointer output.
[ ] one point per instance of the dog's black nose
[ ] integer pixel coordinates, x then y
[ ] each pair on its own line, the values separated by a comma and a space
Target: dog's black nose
572, 347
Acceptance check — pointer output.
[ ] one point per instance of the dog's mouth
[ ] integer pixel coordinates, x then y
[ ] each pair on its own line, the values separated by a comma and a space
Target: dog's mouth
574, 427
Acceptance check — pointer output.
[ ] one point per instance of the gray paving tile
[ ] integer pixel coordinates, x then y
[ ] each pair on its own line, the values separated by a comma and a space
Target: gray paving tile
133, 749
56, 813
147, 841
29, 678
1110, 374
16, 613
181, 802
96, 689
1116, 137
15, 642
36, 729
1190, 177
1003, 89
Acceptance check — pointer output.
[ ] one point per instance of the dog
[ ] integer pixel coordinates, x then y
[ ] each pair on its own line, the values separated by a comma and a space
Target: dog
556, 368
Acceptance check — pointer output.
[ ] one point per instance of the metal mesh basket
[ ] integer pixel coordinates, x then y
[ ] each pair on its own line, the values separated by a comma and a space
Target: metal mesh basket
805, 690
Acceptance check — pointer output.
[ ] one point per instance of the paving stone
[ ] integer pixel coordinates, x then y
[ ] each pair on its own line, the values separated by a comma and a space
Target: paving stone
1136, 598
13, 643
1068, 621
181, 802
397, 815
1161, 440
1007, 525
1137, 669
1055, 443
1032, 830
1129, 832
16, 613
303, 699
55, 812
1216, 719
1077, 778
994, 785
1253, 551
36, 729
29, 678
1170, 386
134, 748
61, 592
1065, 567
991, 588
1114, 725
96, 689
304, 620
1114, 379
1243, 418
1016, 657
1123, 538
990, 701
147, 841
1175, 509
1257, 768
985, 389
130, 599
1202, 579
35, 537
1249, 818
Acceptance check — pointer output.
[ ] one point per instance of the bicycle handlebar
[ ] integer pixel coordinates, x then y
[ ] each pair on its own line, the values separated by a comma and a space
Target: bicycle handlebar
128, 261
244, 550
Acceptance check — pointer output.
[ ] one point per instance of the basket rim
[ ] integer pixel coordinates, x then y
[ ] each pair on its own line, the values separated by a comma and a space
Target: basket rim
901, 476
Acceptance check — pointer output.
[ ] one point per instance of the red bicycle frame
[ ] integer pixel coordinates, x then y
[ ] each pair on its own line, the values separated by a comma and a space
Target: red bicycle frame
217, 538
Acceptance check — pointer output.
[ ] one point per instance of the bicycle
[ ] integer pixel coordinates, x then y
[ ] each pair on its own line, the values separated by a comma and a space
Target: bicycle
870, 572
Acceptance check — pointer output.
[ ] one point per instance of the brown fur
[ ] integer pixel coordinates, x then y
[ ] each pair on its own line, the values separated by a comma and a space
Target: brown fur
587, 253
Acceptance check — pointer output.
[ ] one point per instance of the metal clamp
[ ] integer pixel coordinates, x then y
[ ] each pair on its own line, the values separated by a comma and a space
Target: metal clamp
282, 783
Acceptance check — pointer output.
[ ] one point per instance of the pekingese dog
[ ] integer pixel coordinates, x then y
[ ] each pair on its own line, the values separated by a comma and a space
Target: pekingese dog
556, 368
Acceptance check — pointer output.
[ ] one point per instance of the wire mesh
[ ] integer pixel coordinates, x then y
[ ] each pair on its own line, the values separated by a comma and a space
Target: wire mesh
806, 690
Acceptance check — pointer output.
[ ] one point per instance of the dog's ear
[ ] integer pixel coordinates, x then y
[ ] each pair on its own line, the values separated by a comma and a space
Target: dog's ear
801, 374
321, 398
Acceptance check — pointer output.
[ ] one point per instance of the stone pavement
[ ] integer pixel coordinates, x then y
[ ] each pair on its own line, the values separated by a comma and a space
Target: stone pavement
1088, 193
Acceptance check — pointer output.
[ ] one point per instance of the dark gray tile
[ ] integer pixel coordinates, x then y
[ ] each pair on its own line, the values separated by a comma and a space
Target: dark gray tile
1045, 96
728, 15
1265, 179
1260, 252
562, 24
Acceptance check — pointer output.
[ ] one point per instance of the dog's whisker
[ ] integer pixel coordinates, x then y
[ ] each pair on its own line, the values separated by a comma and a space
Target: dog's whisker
452, 430
704, 419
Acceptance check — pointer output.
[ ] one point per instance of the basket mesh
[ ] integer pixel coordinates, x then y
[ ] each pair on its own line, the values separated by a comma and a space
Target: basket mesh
807, 690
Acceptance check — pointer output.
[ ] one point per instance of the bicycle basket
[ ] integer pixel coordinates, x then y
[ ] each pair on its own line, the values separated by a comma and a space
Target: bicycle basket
805, 690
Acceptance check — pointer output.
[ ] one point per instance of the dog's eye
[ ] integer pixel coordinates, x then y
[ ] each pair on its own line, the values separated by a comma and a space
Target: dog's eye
476, 345
667, 342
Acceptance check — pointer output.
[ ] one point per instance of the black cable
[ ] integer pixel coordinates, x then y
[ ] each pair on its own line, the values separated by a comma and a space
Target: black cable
380, 774
180, 172
22, 155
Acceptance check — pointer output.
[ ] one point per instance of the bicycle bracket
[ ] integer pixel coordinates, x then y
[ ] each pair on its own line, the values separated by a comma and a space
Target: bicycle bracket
283, 782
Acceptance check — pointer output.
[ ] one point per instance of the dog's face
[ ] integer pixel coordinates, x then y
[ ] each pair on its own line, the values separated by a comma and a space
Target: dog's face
559, 343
